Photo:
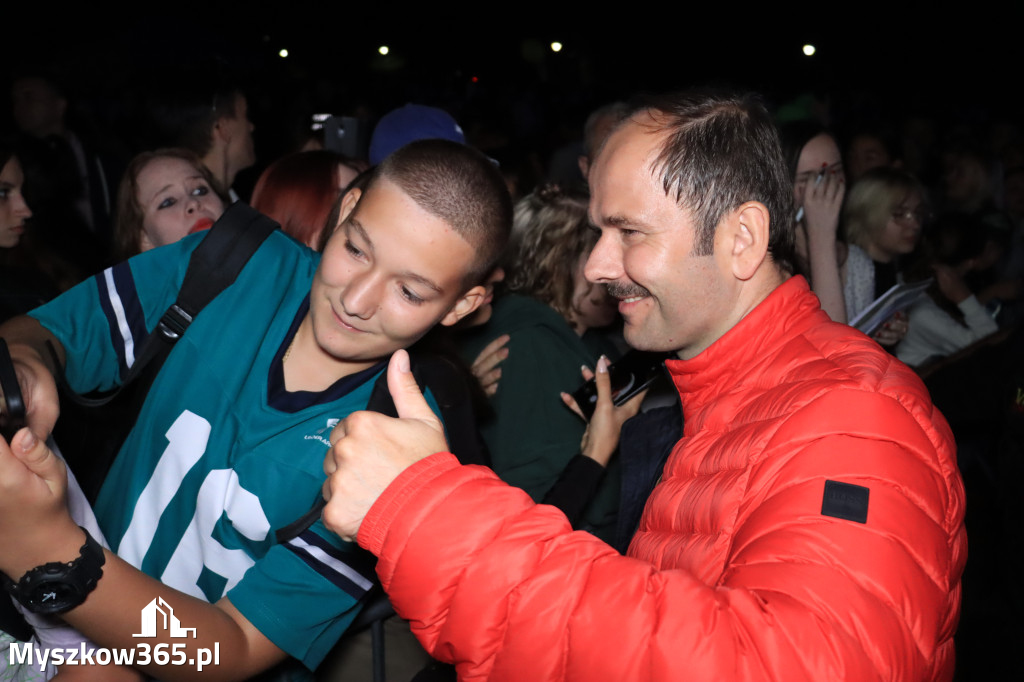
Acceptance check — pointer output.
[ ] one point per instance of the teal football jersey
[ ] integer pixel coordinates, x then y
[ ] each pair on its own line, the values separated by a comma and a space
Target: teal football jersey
221, 454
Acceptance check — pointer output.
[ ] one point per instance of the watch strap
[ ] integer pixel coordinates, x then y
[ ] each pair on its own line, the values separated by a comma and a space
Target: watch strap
57, 587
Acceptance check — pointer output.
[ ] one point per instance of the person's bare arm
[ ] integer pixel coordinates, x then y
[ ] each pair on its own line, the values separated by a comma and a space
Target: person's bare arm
28, 343
35, 528
821, 217
95, 672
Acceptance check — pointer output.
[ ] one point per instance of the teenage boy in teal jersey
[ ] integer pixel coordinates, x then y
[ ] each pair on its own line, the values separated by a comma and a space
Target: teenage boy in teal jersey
230, 443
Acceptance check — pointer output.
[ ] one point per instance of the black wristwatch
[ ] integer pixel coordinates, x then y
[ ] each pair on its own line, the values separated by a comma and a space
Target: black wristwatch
57, 587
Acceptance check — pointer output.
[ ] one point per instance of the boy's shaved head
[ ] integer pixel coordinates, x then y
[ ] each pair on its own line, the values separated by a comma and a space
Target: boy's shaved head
459, 185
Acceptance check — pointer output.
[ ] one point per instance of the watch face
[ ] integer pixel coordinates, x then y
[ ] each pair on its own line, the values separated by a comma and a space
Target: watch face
57, 587
54, 597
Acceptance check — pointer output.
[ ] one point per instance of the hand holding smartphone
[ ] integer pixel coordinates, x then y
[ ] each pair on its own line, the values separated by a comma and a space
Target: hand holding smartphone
631, 374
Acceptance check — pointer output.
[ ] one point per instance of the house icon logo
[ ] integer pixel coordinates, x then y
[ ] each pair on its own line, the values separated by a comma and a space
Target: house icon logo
158, 615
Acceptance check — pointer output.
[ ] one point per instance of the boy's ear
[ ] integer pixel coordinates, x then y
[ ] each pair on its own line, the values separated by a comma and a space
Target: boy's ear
469, 302
348, 204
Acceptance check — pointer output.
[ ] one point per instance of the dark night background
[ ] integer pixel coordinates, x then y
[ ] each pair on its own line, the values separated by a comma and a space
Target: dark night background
959, 66
492, 66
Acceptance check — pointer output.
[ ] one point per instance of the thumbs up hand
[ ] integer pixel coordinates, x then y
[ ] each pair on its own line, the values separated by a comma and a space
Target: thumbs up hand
370, 450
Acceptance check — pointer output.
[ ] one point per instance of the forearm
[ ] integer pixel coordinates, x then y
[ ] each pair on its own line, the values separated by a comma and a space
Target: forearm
934, 332
977, 318
605, 616
826, 281
27, 338
97, 673
611, 617
112, 614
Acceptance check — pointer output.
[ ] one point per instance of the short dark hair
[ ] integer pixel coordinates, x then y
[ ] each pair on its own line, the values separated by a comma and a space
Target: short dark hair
459, 185
614, 113
722, 150
184, 114
794, 136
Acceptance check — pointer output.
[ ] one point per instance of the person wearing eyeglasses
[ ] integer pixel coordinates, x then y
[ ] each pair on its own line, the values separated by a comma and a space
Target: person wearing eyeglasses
884, 214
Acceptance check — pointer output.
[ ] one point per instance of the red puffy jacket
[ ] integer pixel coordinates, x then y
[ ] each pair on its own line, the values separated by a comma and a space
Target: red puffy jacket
748, 565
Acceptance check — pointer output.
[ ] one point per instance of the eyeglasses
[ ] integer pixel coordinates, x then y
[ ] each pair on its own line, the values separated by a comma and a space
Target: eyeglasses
905, 215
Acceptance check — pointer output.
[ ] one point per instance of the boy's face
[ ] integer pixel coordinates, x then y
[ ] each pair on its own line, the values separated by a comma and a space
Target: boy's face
389, 273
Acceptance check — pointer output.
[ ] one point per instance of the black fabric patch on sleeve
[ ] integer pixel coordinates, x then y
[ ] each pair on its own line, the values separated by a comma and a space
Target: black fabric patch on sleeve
845, 501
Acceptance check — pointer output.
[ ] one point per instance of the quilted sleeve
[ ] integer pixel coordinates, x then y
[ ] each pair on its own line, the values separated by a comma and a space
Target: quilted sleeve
503, 587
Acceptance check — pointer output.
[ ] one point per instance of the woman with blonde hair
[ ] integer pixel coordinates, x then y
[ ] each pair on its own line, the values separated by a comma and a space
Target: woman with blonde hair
883, 217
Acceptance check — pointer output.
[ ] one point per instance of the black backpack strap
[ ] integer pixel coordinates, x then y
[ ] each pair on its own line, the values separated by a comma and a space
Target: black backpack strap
380, 397
436, 373
447, 385
212, 268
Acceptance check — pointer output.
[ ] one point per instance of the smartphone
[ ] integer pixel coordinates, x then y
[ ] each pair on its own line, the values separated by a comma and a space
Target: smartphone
12, 407
817, 181
631, 374
345, 135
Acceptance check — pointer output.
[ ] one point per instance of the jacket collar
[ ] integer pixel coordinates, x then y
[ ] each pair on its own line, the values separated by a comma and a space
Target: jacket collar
739, 356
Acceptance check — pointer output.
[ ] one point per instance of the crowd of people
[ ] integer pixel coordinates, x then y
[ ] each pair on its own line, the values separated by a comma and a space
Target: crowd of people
508, 295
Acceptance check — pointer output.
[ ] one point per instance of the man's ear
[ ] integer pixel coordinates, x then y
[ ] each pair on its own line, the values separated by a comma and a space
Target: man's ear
470, 301
742, 237
583, 161
221, 131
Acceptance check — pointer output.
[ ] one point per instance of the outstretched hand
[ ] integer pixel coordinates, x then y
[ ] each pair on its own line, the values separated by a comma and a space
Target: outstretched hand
370, 450
34, 519
601, 438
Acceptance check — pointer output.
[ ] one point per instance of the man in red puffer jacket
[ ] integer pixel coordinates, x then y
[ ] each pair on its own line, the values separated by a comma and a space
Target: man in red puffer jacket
809, 523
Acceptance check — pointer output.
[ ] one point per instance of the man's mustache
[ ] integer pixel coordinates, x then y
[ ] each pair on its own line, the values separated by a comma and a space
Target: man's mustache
626, 290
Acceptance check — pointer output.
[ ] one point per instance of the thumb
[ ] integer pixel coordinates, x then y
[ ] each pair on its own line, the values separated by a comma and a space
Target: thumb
36, 457
409, 400
603, 380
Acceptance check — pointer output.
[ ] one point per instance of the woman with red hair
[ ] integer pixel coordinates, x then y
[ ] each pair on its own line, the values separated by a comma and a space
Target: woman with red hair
299, 190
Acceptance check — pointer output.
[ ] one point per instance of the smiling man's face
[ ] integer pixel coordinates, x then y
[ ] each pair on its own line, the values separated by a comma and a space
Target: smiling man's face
669, 298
